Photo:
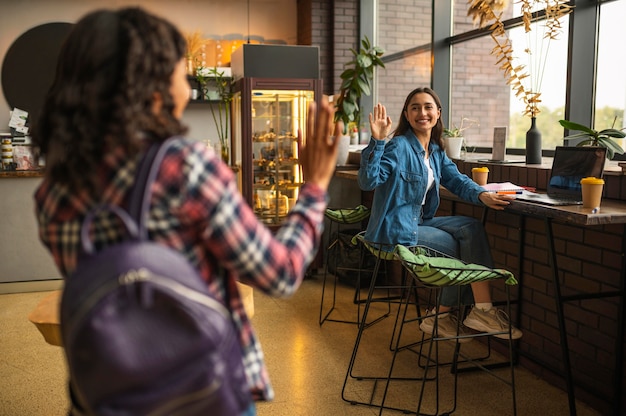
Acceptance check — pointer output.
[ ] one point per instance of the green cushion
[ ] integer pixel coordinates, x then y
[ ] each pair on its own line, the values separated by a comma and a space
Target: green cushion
348, 215
446, 271
376, 249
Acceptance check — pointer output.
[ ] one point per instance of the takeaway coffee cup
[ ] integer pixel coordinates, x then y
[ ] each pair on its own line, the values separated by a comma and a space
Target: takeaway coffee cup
592, 191
480, 175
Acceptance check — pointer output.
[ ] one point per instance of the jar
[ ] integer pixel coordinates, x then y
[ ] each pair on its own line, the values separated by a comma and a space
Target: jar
6, 147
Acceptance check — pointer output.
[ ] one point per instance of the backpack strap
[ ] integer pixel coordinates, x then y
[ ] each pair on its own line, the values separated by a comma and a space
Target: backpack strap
139, 206
134, 217
147, 171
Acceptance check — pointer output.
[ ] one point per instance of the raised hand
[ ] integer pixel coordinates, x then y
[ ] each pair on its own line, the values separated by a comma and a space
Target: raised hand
380, 122
318, 153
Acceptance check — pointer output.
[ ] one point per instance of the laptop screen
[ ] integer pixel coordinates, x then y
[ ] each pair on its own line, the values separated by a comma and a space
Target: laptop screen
570, 165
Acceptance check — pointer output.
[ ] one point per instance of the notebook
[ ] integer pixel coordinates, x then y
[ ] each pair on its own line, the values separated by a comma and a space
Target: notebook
569, 166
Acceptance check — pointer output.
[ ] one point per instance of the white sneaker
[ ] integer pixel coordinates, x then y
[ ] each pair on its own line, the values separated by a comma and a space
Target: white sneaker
494, 320
446, 327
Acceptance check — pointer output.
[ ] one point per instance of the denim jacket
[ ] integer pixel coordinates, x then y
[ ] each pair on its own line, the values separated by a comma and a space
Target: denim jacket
399, 176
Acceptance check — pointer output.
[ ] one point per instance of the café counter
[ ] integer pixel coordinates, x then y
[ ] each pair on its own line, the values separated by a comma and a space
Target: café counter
25, 265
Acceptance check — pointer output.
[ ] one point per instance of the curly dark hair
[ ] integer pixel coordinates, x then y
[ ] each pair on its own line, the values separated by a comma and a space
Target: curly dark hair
403, 125
109, 68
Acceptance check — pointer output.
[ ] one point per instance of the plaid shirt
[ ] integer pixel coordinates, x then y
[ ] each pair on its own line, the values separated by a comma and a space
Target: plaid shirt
196, 209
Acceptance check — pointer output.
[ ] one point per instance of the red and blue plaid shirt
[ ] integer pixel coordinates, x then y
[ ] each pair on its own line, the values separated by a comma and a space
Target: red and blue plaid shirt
197, 209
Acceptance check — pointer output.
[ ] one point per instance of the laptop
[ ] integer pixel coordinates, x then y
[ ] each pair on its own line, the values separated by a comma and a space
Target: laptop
569, 166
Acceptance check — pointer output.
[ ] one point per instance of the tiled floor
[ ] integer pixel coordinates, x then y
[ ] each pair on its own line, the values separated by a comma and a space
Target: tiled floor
307, 364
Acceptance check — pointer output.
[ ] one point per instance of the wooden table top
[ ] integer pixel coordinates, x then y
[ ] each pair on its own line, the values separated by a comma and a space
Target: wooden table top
611, 211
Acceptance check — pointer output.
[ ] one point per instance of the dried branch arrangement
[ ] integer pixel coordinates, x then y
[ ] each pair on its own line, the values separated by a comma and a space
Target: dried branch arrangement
526, 84
195, 48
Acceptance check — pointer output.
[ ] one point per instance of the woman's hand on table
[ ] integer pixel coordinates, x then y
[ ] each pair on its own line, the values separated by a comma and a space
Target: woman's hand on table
494, 200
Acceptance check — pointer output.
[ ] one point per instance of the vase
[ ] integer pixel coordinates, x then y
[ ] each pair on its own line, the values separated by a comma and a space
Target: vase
453, 147
343, 150
533, 143
224, 151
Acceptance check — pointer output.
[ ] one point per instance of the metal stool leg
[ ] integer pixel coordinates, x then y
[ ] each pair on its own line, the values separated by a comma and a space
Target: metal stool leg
431, 356
403, 304
335, 224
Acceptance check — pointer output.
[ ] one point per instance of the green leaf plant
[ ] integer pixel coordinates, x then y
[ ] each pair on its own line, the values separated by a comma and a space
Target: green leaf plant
602, 138
221, 109
455, 131
357, 81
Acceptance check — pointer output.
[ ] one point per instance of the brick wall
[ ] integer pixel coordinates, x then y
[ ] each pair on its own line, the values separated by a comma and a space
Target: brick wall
334, 28
317, 29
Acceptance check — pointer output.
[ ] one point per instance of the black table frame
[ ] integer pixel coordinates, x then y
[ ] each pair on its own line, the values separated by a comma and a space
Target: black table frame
614, 213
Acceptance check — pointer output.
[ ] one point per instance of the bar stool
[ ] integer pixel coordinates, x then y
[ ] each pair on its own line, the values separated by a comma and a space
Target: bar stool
405, 294
431, 270
339, 220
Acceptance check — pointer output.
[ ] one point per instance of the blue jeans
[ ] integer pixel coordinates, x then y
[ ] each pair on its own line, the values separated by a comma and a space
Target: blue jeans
461, 237
250, 411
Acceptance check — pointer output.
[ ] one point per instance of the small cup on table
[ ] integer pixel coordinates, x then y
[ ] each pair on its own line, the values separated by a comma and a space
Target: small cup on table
592, 191
480, 175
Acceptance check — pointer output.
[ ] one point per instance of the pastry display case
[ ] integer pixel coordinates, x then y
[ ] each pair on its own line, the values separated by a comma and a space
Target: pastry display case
267, 114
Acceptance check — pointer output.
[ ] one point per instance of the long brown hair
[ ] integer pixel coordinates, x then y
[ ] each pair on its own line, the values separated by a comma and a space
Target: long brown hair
403, 124
109, 69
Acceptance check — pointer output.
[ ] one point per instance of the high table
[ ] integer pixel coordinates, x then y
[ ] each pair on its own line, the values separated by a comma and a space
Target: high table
611, 212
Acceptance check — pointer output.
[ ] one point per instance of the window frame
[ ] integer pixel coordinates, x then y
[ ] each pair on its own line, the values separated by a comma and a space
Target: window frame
583, 36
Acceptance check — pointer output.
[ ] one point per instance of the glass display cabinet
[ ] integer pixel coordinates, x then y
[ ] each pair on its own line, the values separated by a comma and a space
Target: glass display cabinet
267, 114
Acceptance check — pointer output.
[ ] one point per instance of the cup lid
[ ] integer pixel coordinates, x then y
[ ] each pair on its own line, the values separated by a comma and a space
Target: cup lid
592, 181
481, 169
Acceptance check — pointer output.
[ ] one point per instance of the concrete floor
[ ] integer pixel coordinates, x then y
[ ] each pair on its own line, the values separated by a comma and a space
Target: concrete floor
307, 363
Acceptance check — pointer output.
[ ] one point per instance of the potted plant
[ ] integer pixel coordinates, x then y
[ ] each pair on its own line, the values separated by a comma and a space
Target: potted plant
357, 81
453, 137
220, 110
602, 138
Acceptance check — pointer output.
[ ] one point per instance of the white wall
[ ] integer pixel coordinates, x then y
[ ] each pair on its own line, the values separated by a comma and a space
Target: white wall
22, 257
272, 19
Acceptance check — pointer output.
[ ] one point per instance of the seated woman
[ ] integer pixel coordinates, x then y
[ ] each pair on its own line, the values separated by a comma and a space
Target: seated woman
406, 173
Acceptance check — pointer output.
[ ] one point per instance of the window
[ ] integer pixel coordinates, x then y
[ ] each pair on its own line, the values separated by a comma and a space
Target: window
478, 92
479, 89
610, 102
401, 77
404, 32
465, 74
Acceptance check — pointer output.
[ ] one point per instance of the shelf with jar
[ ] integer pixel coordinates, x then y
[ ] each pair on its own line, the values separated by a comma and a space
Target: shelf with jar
277, 176
204, 94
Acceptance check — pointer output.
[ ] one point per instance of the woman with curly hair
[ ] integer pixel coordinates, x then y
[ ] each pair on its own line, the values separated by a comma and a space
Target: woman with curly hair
120, 86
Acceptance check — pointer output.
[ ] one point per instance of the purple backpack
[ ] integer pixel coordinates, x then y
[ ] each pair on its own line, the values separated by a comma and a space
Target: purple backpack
141, 333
